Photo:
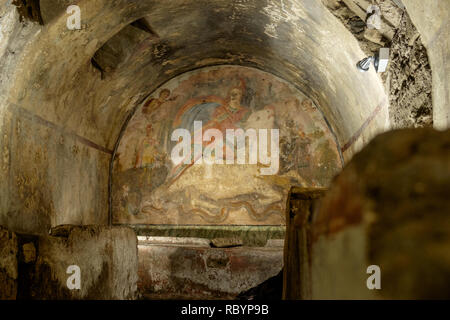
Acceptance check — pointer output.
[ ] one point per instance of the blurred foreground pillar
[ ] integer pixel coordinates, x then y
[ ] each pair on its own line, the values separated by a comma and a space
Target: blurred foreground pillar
388, 210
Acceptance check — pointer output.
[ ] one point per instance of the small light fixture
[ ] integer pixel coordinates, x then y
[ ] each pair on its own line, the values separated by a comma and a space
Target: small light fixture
380, 61
364, 64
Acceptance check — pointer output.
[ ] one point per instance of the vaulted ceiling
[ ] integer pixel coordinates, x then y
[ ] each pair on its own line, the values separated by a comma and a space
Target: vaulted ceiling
89, 80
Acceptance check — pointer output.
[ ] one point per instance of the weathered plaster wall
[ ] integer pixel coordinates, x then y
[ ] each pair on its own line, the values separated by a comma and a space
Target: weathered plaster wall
408, 78
432, 20
47, 76
49, 175
37, 266
149, 188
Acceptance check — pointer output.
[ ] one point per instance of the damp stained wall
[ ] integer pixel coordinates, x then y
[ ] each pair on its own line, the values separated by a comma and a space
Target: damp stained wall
149, 187
431, 19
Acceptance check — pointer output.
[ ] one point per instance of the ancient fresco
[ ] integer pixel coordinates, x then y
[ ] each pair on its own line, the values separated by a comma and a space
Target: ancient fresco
150, 187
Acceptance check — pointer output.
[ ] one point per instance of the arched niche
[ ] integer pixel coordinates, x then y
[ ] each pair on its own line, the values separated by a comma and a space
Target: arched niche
149, 188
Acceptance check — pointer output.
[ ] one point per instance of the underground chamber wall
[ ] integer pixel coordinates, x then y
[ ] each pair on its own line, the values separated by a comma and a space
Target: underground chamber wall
237, 199
101, 111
